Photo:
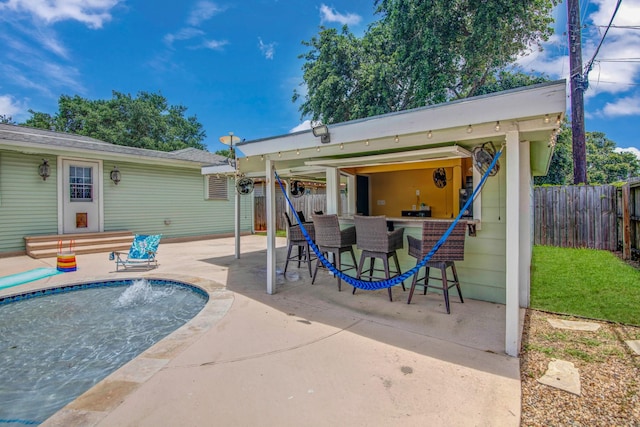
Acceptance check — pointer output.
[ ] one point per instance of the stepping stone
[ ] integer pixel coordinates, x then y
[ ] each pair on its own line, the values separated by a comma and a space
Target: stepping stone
635, 346
562, 375
573, 325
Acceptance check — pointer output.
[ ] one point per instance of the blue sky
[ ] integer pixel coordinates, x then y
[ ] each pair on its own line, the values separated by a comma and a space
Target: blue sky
235, 64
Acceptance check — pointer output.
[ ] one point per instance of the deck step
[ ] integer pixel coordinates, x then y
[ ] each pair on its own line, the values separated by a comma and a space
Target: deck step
46, 246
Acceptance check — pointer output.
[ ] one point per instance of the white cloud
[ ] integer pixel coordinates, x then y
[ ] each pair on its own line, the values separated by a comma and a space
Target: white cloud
329, 14
183, 34
268, 49
215, 44
93, 13
633, 150
306, 125
9, 106
629, 106
617, 76
545, 61
203, 11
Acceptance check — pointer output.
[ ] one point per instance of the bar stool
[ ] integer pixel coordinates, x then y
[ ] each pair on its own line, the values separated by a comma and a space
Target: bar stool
295, 238
375, 241
451, 250
331, 240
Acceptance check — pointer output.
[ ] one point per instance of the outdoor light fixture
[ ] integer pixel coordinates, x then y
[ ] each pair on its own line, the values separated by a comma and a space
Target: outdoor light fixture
397, 139
323, 132
497, 127
430, 135
469, 129
44, 170
115, 175
546, 118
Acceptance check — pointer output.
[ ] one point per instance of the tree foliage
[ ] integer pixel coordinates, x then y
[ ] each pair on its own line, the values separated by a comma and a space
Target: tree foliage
419, 53
604, 164
6, 120
146, 121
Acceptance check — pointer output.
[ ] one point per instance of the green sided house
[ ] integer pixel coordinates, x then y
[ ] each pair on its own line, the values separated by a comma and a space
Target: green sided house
54, 183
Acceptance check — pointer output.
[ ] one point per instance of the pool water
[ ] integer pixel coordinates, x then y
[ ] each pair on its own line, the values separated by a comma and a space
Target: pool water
57, 344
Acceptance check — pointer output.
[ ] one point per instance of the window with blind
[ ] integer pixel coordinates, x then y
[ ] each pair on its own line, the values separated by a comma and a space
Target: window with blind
217, 188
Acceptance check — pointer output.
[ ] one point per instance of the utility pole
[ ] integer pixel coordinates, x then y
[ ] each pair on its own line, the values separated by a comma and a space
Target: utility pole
578, 86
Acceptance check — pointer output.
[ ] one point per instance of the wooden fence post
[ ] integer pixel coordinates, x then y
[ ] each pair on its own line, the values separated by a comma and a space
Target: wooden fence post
626, 222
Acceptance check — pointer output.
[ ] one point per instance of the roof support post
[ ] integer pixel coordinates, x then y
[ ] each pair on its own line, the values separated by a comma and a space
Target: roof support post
512, 242
237, 219
526, 222
271, 227
333, 191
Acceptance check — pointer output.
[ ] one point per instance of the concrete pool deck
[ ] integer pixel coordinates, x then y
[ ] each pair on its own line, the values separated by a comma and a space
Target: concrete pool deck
307, 355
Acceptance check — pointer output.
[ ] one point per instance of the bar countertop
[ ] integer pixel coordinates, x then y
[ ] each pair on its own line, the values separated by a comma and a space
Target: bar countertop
403, 221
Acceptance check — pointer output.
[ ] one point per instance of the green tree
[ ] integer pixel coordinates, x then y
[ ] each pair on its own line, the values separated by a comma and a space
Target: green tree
6, 120
561, 167
146, 121
419, 53
224, 153
604, 164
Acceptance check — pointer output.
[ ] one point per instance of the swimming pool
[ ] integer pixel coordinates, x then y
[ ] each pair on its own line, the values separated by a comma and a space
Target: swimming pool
57, 343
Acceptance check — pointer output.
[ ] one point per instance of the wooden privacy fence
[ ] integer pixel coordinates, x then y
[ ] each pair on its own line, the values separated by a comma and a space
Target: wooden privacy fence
308, 204
628, 201
576, 216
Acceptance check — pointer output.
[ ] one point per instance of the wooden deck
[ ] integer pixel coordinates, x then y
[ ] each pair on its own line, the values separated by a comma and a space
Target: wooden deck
46, 246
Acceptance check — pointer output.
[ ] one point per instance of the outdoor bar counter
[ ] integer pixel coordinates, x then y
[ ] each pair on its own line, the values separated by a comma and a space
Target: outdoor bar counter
412, 227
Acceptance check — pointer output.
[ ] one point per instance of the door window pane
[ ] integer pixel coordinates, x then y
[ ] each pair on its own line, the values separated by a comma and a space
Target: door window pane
81, 184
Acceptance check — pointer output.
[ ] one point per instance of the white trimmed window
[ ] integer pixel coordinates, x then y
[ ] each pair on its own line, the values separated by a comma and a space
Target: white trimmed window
217, 188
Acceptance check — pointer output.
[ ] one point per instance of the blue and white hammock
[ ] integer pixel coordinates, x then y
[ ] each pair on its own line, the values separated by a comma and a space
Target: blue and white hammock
387, 283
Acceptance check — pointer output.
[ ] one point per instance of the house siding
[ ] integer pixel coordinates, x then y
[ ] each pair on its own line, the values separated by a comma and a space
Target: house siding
148, 195
483, 271
28, 205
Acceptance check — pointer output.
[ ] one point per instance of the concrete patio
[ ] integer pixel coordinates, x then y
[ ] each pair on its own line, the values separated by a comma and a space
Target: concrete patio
308, 355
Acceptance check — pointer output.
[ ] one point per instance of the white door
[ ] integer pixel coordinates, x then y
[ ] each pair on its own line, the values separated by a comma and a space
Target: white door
81, 196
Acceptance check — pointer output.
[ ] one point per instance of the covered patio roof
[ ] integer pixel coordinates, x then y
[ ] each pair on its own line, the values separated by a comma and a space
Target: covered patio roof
535, 112
523, 120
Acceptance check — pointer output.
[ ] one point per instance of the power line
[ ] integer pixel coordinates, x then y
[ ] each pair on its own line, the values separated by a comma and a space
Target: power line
587, 68
623, 27
618, 83
619, 60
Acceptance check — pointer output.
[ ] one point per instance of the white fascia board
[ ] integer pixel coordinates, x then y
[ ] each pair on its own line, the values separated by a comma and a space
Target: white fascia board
218, 170
450, 152
501, 106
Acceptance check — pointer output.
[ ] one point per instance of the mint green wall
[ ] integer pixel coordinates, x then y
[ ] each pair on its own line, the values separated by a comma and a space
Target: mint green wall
149, 194
28, 205
146, 196
482, 273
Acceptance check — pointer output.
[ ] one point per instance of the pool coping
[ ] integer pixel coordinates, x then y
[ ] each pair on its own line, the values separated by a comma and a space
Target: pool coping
95, 404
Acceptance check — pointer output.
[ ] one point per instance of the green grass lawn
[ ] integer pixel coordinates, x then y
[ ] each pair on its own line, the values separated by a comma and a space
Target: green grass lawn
585, 282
